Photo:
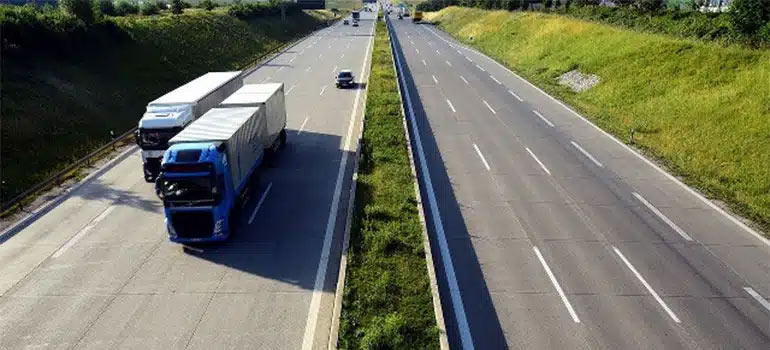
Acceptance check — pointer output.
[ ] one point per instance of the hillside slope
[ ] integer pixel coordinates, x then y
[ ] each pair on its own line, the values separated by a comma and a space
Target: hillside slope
56, 109
700, 109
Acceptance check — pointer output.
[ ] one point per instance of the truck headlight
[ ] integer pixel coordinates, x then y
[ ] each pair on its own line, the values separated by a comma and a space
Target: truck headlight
218, 226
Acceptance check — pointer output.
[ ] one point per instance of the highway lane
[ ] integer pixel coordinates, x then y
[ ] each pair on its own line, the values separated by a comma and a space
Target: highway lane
97, 271
559, 236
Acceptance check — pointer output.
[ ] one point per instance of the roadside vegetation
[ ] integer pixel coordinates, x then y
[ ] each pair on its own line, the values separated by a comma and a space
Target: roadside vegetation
746, 21
68, 83
701, 109
387, 302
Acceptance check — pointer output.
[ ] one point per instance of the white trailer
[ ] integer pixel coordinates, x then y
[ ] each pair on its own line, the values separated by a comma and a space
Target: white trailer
270, 98
169, 114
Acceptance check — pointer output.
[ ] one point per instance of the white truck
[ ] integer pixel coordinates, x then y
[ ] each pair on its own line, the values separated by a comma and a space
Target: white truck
169, 114
208, 171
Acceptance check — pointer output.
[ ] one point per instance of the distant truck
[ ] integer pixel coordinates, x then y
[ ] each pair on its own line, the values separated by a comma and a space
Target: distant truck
209, 169
356, 15
417, 17
172, 112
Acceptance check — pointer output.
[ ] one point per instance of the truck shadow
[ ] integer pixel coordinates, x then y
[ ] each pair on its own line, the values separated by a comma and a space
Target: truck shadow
279, 234
481, 315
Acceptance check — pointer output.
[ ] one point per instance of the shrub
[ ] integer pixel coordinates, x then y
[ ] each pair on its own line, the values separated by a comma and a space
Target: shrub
208, 5
81, 9
126, 8
649, 5
106, 8
176, 7
748, 16
150, 8
548, 4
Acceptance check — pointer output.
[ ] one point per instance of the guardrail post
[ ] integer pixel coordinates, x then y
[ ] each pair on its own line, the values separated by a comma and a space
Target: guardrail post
112, 137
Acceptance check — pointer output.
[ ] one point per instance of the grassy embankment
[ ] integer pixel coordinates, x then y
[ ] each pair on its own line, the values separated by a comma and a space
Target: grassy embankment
387, 301
56, 108
701, 109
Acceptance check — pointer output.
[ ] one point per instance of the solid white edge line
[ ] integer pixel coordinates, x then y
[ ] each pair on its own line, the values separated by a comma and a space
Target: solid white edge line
259, 204
323, 262
662, 217
451, 106
538, 161
446, 259
495, 79
302, 127
434, 79
647, 285
516, 96
673, 178
83, 231
762, 301
588, 155
463, 78
556, 285
488, 106
483, 160
543, 118
322, 90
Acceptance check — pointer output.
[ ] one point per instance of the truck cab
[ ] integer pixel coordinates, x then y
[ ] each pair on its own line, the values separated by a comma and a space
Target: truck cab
197, 192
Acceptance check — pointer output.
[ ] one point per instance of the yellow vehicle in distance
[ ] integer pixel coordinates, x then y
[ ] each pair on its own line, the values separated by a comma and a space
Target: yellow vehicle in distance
417, 16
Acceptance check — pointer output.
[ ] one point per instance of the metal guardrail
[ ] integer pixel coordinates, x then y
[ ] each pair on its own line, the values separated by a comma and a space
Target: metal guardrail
66, 173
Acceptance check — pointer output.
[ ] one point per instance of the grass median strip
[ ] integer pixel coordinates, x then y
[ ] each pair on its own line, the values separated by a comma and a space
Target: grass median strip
387, 301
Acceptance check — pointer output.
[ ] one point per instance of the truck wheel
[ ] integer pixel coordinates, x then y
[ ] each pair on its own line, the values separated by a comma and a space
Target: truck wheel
282, 139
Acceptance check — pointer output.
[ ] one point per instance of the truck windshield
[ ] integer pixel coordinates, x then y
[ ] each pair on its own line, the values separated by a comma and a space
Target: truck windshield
188, 189
156, 137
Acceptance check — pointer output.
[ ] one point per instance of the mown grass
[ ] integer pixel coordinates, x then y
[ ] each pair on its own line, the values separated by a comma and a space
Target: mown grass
701, 109
387, 301
58, 108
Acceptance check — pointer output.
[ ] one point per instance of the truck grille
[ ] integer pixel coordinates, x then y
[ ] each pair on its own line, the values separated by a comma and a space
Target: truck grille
193, 224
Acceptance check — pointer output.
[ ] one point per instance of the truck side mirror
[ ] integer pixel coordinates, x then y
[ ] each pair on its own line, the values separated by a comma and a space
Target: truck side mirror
158, 185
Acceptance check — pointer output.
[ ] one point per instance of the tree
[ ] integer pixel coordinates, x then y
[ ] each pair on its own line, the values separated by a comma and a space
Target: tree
748, 16
125, 8
177, 7
149, 8
81, 9
106, 7
208, 5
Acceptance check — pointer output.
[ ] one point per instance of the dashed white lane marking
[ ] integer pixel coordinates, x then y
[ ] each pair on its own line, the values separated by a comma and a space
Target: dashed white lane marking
762, 301
544, 119
538, 161
438, 52
481, 68
424, 63
334, 69
483, 160
448, 63
516, 96
308, 68
343, 55
302, 127
488, 106
556, 285
291, 88
434, 79
259, 204
663, 217
468, 58
78, 236
588, 155
418, 51
495, 79
647, 285
451, 106
322, 90
466, 82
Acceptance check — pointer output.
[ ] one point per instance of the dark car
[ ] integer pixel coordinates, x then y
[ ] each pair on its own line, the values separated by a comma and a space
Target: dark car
344, 78
345, 22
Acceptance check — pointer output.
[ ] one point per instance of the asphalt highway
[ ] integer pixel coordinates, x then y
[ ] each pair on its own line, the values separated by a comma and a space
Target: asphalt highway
550, 234
97, 270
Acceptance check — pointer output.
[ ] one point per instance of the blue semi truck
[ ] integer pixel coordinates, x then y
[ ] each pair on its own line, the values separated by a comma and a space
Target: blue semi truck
209, 169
